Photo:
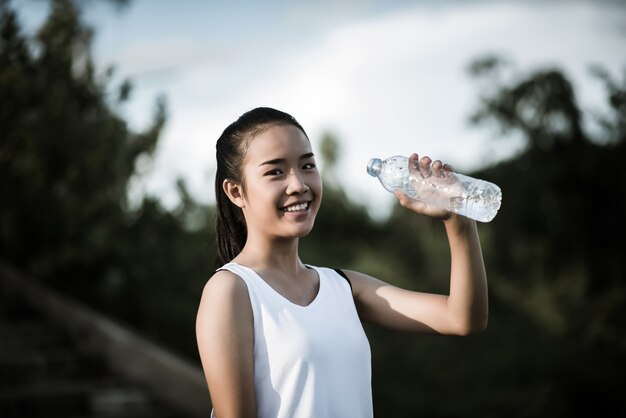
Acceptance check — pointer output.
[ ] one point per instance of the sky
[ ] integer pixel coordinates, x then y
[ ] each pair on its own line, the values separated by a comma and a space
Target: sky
386, 77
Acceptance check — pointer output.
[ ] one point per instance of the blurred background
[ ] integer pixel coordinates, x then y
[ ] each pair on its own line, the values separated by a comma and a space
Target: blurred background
109, 113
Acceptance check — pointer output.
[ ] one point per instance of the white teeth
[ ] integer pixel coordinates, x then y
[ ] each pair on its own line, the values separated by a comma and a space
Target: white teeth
295, 208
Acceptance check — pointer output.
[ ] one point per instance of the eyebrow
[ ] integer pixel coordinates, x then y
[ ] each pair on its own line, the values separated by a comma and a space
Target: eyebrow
282, 160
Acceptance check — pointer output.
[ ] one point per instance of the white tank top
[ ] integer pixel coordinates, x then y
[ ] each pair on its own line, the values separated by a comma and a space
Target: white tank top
310, 361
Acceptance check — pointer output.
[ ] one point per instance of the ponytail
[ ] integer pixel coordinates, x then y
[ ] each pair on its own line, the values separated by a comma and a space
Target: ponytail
230, 226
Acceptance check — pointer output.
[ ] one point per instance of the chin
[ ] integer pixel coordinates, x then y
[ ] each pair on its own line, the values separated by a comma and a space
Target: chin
299, 233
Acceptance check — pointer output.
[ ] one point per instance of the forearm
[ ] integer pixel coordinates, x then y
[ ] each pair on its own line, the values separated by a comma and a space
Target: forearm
468, 302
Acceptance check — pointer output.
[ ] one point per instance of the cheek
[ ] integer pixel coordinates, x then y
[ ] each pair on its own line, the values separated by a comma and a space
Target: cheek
316, 185
318, 189
253, 193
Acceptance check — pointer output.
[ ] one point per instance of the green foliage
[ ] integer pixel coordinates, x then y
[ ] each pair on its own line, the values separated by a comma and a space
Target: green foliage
66, 159
553, 254
65, 155
551, 239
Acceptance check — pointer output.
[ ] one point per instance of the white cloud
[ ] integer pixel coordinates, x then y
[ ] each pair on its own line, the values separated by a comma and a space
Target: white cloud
146, 57
389, 84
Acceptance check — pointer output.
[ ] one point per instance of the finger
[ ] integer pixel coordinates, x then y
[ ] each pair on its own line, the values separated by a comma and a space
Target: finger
403, 198
448, 171
414, 163
424, 166
438, 168
406, 202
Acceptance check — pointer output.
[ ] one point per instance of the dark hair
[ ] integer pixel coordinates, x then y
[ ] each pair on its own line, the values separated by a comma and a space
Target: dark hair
230, 226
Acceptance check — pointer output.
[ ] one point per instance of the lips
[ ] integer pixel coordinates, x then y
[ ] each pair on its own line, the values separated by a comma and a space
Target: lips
296, 207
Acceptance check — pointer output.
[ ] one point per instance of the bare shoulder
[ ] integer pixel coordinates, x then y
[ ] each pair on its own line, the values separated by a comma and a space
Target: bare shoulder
224, 292
225, 283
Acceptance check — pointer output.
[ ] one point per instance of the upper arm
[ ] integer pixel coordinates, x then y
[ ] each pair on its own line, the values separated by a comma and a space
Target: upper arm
225, 336
392, 307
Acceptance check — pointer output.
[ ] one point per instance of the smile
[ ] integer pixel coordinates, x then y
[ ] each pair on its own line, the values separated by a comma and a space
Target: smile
298, 207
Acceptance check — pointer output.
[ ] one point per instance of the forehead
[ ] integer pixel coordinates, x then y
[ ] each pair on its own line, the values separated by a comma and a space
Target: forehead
278, 141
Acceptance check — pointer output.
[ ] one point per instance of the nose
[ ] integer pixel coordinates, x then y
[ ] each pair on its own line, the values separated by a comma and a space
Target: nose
296, 184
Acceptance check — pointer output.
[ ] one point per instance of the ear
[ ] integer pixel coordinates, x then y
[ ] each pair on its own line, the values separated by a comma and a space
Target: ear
234, 191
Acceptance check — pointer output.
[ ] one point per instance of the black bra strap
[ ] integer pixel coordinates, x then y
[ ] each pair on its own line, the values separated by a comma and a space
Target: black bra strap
342, 274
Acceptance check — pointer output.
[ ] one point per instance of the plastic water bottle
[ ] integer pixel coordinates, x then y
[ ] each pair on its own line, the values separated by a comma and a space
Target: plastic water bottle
467, 196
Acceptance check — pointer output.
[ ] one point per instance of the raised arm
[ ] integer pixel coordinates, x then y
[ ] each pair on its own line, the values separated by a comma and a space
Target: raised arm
225, 336
463, 311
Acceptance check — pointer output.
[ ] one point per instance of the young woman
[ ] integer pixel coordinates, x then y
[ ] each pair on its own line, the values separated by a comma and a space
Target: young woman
279, 338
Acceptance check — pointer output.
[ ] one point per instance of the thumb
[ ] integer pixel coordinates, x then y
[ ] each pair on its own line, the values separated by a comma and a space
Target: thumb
403, 198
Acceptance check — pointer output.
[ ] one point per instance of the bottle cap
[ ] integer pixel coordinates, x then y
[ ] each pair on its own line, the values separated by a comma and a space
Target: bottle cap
374, 167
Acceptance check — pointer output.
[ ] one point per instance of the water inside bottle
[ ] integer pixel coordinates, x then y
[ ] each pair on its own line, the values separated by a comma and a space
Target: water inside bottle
482, 204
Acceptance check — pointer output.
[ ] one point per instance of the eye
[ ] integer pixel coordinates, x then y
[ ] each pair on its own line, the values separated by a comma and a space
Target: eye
274, 172
309, 166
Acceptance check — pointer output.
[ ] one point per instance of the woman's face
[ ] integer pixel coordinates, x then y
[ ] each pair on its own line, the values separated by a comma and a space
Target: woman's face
283, 187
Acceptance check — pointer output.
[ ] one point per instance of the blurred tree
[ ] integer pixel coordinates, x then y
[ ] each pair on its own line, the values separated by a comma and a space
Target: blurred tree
550, 253
330, 149
65, 155
66, 159
551, 235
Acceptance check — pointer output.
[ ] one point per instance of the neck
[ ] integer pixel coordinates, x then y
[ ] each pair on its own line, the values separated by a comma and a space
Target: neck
278, 254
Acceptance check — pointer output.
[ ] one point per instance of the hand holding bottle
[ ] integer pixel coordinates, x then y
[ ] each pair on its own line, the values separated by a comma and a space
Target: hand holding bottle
436, 185
425, 168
